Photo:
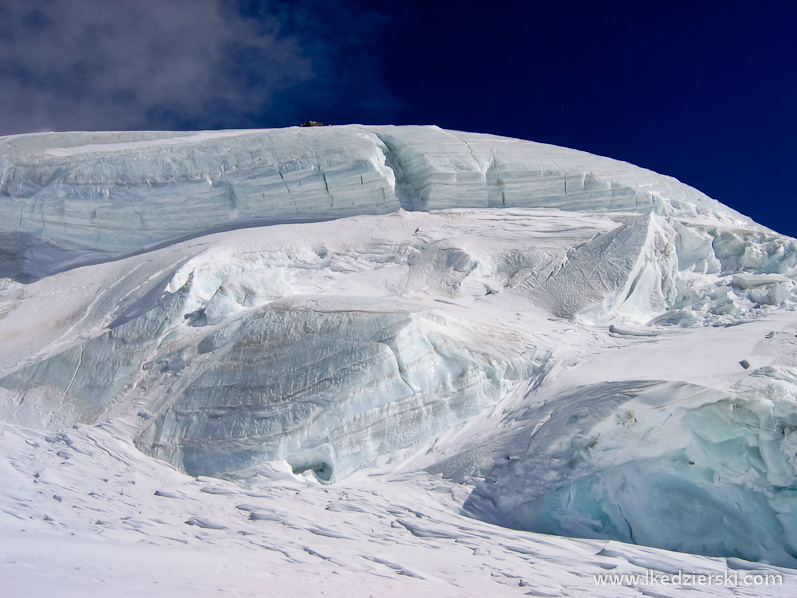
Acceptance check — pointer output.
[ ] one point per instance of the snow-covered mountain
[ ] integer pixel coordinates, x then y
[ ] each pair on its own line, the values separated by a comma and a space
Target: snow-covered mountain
459, 342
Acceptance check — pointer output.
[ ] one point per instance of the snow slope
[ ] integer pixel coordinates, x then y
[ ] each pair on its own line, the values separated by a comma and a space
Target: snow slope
459, 342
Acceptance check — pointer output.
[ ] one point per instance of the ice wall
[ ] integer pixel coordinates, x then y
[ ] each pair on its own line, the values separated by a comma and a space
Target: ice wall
663, 464
75, 198
326, 390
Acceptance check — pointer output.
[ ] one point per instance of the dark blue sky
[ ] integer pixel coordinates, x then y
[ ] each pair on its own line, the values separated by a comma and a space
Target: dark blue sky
701, 90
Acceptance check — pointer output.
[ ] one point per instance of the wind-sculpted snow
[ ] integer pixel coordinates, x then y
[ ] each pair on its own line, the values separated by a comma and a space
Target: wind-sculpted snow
576, 345
89, 529
76, 198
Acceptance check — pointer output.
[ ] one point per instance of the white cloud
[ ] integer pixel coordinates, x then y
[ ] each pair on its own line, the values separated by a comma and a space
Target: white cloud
102, 64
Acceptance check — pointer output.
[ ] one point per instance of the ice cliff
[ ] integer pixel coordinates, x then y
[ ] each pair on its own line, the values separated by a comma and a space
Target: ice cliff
76, 198
591, 348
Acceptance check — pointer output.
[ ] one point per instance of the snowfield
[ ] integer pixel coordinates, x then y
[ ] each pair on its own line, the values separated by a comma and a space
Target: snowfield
377, 360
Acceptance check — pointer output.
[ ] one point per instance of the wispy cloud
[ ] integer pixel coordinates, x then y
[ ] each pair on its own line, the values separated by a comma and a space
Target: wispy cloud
149, 64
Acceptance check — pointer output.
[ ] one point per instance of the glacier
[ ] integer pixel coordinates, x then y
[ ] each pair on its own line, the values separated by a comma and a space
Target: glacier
561, 343
76, 198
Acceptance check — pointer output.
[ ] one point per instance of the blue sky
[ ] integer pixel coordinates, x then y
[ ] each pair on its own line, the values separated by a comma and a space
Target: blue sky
701, 90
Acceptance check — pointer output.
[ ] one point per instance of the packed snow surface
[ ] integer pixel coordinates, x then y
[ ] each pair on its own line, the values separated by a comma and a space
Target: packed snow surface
386, 359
